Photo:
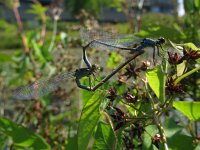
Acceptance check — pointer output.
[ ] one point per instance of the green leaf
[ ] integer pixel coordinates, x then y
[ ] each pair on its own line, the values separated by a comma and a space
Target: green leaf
37, 9
177, 138
5, 58
21, 136
188, 5
151, 131
197, 147
38, 51
189, 109
189, 45
186, 45
104, 137
174, 45
89, 118
180, 68
86, 95
156, 79
72, 143
114, 60
197, 4
171, 128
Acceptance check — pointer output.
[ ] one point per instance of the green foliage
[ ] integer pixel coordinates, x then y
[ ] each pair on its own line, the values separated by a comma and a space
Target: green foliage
151, 131
37, 9
104, 137
114, 60
93, 7
192, 9
22, 137
124, 113
156, 80
176, 135
5, 58
89, 119
189, 109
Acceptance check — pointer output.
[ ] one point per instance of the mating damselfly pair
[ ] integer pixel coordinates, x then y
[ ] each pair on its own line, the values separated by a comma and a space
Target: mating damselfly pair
100, 40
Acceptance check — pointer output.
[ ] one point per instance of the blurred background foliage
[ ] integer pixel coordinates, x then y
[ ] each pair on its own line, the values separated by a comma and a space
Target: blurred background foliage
46, 44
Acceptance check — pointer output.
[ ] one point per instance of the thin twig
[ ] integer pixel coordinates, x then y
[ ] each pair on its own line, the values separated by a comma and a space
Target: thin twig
137, 53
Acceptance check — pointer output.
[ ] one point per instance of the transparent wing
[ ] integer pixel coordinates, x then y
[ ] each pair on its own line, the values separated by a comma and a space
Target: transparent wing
42, 86
111, 41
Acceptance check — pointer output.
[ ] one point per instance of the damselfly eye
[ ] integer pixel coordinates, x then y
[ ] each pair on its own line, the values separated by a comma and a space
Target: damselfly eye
161, 40
95, 67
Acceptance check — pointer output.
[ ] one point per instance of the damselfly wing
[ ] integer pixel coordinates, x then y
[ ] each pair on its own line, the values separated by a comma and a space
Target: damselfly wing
102, 40
42, 86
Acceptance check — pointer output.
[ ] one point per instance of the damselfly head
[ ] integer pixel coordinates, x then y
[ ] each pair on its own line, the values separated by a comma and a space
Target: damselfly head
95, 68
161, 40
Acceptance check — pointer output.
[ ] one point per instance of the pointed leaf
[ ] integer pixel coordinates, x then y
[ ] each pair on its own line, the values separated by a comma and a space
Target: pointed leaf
181, 68
151, 131
89, 118
177, 138
104, 137
21, 136
189, 45
156, 79
189, 109
38, 52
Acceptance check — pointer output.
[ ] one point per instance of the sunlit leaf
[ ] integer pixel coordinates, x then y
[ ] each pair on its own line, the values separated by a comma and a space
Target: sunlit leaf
189, 109
104, 137
114, 60
86, 95
37, 9
186, 45
180, 68
197, 4
89, 119
156, 81
189, 45
21, 136
38, 51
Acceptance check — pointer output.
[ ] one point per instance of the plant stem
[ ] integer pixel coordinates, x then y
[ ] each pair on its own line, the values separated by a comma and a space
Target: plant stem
20, 26
157, 119
164, 81
53, 36
186, 74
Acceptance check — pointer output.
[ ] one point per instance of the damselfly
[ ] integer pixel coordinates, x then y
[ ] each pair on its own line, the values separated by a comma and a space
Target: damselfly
44, 86
102, 40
